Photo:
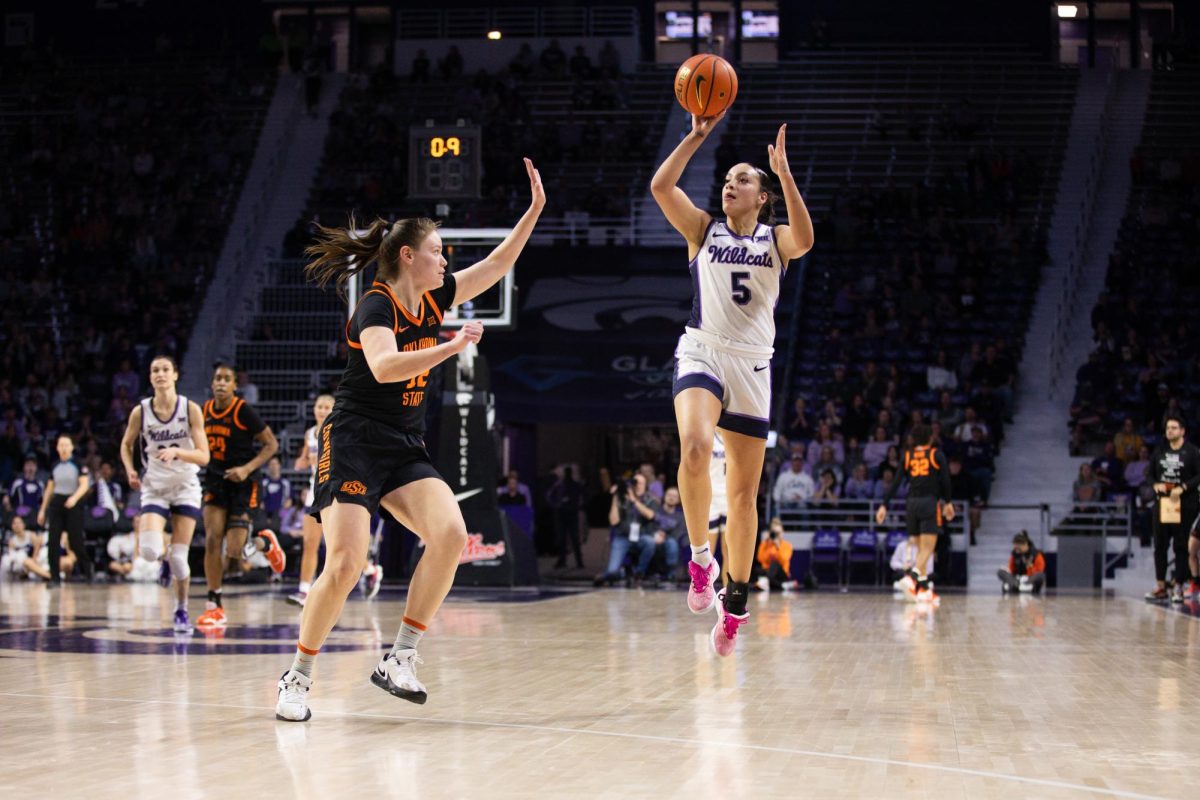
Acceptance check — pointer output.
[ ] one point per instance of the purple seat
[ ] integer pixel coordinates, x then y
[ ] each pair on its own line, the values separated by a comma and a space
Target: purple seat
827, 553
863, 553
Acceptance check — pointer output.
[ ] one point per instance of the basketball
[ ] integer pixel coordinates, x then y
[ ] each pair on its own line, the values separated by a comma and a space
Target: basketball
705, 85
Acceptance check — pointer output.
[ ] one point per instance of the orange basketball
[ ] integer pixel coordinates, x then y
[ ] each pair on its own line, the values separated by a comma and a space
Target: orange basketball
705, 85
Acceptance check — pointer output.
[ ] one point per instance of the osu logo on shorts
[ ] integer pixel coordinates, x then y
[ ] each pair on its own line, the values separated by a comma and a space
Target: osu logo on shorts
353, 487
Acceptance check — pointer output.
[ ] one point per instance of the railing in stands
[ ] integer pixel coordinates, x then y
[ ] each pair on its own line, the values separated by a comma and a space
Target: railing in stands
1069, 290
525, 22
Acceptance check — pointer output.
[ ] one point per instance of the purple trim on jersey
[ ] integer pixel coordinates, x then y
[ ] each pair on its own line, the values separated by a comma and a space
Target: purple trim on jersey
696, 316
697, 312
783, 264
698, 380
156, 509
178, 510
728, 230
744, 424
170, 417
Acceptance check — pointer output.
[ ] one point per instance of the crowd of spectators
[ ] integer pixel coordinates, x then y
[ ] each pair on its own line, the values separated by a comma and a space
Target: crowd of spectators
365, 166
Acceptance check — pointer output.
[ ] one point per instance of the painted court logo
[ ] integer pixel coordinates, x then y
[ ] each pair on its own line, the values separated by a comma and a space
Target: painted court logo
353, 488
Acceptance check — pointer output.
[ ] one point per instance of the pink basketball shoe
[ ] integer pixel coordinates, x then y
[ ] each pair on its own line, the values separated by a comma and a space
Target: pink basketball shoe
701, 593
724, 633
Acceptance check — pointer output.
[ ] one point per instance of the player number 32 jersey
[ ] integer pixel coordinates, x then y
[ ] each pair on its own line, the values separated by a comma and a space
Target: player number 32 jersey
735, 281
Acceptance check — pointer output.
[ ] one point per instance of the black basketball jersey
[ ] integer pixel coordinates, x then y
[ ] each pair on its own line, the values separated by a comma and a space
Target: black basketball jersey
231, 433
400, 404
927, 473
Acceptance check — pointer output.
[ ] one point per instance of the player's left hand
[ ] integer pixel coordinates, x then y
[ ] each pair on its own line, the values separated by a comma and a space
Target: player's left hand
237, 474
536, 190
880, 515
168, 455
70, 502
1177, 492
777, 153
948, 512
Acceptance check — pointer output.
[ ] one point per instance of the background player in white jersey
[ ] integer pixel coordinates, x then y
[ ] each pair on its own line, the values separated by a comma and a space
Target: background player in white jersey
312, 529
723, 376
174, 448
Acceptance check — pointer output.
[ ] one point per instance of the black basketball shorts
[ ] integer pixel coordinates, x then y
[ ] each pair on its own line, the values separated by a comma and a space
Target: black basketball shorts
360, 460
240, 500
923, 515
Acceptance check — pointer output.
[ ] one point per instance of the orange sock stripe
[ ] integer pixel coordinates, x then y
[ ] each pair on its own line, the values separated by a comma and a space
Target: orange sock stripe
306, 651
412, 623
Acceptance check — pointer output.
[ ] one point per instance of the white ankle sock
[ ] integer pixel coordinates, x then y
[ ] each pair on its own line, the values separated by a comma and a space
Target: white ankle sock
304, 587
702, 555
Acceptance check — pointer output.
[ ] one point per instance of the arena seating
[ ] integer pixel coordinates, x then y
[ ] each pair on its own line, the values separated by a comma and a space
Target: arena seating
595, 146
1143, 328
899, 155
109, 227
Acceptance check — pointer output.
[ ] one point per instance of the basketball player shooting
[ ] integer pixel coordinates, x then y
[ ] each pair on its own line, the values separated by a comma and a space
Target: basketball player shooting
723, 361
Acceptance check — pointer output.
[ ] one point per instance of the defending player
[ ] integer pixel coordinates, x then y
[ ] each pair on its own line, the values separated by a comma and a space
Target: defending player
231, 486
174, 448
312, 529
928, 504
722, 374
372, 448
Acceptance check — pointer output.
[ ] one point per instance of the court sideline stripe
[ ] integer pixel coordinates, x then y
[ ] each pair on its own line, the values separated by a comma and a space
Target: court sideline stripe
965, 771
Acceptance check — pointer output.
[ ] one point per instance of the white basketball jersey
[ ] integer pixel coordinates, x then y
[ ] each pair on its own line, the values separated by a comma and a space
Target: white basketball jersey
159, 434
716, 474
736, 283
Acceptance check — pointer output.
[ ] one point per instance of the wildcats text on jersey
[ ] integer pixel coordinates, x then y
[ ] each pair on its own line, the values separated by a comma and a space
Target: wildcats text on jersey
740, 255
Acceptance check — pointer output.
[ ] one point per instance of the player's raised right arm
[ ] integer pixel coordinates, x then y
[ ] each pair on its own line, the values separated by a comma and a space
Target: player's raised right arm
678, 208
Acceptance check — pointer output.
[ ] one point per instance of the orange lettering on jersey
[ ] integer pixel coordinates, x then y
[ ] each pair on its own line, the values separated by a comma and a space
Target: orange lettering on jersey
326, 454
353, 488
918, 467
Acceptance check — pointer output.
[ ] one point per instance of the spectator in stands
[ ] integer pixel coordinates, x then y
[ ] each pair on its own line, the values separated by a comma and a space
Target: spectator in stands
452, 65
1137, 470
523, 63
828, 490
979, 460
858, 485
246, 387
839, 388
291, 516
774, 557
38, 565
999, 377
610, 60
1109, 470
1026, 567
653, 484
884, 484
553, 60
1087, 490
939, 376
794, 487
513, 492
580, 65
854, 456
799, 427
965, 432
420, 68
827, 462
857, 420
825, 438
963, 490
109, 494
27, 491
875, 452
948, 415
275, 490
971, 359
1128, 443
125, 378
630, 514
795, 450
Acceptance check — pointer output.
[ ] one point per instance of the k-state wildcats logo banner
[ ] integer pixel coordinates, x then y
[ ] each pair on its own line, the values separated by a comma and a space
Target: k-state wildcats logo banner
497, 553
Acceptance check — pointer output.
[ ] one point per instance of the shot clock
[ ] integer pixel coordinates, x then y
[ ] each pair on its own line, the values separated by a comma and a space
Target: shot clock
443, 162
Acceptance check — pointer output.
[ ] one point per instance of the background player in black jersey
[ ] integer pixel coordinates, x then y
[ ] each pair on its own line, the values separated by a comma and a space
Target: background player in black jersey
928, 504
231, 486
372, 452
